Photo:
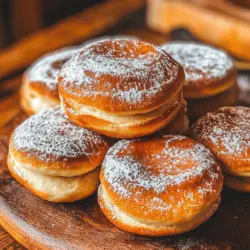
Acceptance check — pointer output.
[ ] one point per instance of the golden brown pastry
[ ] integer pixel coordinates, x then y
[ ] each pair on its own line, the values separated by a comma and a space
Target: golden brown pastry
226, 132
208, 71
210, 76
54, 158
39, 90
160, 186
121, 88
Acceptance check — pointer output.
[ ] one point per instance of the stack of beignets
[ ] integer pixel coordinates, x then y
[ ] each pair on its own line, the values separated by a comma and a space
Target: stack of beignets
121, 88
54, 158
210, 81
125, 88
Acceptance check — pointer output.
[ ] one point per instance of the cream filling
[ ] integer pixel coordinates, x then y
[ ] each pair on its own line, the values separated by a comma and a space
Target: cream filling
124, 119
38, 102
44, 170
132, 221
53, 186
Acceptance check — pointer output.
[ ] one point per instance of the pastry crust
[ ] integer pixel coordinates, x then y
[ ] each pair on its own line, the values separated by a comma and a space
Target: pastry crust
35, 100
54, 158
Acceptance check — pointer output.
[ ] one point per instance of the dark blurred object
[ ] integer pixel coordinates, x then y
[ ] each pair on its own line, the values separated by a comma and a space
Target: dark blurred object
19, 18
2, 28
242, 3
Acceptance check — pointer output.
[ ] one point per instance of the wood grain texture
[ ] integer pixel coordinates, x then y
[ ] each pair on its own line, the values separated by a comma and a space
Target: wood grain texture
25, 17
74, 29
230, 31
12, 102
39, 224
10, 86
7, 242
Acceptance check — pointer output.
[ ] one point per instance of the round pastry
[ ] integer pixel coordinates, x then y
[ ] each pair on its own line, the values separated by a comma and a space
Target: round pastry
226, 132
208, 71
121, 88
160, 186
54, 158
198, 107
39, 90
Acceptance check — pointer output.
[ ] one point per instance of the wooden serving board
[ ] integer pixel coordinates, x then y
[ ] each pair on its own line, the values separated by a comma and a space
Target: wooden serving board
39, 224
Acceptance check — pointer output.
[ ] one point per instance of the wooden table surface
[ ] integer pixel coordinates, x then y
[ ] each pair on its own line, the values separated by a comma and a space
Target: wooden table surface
9, 107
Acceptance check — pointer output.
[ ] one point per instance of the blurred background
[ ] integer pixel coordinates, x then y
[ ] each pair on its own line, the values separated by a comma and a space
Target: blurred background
19, 18
222, 23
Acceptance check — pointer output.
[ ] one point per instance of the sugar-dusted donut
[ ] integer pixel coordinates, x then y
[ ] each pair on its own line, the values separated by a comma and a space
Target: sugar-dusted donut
209, 71
161, 186
48, 153
39, 89
121, 88
226, 132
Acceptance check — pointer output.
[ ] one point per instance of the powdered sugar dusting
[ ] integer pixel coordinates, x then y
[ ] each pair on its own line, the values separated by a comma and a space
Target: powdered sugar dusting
124, 171
200, 62
191, 243
228, 129
49, 135
47, 68
133, 71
